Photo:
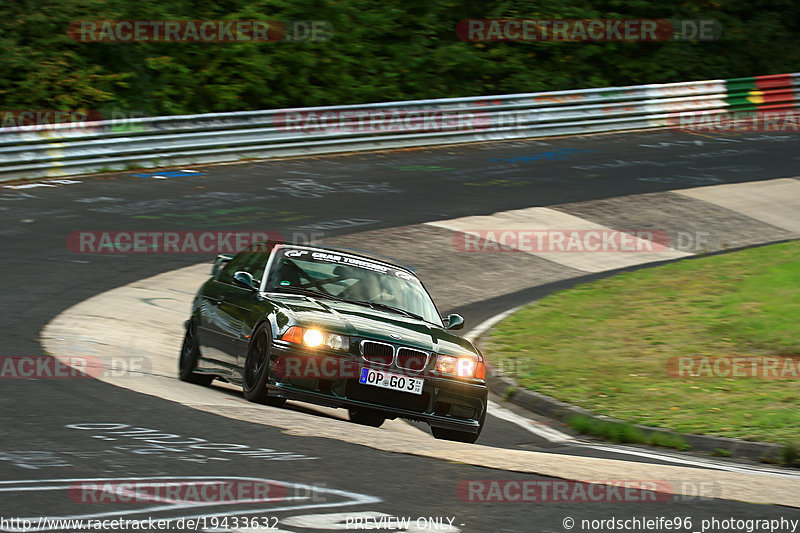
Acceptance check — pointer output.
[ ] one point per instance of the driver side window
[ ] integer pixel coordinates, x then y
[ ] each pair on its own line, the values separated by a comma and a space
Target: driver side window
248, 261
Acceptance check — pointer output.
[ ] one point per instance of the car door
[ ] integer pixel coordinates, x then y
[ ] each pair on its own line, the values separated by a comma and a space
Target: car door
244, 306
220, 317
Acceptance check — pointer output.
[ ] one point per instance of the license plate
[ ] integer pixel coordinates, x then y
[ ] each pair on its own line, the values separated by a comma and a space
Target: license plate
391, 381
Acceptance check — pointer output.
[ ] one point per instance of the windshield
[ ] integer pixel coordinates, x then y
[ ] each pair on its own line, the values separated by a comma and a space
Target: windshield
351, 278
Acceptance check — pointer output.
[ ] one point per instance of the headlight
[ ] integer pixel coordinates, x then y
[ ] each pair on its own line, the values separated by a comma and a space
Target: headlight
314, 338
461, 366
335, 342
446, 364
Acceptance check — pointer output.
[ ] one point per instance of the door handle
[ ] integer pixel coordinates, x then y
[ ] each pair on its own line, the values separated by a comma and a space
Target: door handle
220, 300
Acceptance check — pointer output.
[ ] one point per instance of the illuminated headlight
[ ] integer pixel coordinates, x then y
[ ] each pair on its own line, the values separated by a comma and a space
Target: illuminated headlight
463, 367
446, 364
314, 338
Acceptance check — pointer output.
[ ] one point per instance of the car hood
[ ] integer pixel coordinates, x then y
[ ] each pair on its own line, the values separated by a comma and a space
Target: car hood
362, 321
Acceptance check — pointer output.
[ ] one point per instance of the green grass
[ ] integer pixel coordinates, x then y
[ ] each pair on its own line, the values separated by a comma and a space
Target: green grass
509, 393
789, 455
605, 345
624, 433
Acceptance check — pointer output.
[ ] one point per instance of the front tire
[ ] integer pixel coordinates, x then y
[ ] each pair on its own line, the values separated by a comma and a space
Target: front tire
256, 369
190, 354
366, 417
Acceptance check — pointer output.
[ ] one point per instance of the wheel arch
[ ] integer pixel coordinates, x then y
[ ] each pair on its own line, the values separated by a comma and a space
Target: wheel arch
277, 319
266, 319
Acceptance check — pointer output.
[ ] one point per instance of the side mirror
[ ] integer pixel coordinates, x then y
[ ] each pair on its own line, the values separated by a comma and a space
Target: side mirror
245, 279
219, 262
454, 321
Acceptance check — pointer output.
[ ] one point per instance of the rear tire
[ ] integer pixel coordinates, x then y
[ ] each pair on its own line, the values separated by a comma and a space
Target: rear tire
256, 369
366, 417
190, 354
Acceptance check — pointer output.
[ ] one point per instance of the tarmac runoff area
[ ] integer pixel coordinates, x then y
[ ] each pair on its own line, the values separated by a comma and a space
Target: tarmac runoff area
143, 321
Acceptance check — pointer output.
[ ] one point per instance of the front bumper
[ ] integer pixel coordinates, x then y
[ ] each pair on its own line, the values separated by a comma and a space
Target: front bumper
445, 402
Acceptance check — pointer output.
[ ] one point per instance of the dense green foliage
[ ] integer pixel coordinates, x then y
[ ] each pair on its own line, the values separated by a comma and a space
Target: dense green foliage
380, 50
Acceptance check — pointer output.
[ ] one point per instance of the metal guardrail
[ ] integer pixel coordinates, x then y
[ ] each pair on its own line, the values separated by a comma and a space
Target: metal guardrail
70, 149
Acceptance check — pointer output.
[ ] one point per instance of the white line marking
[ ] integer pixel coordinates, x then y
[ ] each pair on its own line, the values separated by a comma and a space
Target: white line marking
473, 334
352, 498
547, 433
706, 463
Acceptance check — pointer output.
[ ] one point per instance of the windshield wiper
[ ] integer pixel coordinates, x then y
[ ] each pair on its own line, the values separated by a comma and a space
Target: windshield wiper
385, 307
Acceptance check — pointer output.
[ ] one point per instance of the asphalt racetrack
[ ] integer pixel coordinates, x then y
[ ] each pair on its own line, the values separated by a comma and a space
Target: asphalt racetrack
59, 432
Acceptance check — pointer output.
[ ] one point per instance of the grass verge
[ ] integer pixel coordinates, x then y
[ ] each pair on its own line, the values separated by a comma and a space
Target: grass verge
608, 346
624, 433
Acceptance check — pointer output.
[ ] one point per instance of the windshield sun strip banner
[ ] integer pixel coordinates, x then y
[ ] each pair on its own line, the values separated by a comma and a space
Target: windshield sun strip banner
348, 260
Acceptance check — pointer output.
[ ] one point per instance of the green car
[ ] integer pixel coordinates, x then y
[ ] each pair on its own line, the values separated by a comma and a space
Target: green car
338, 329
